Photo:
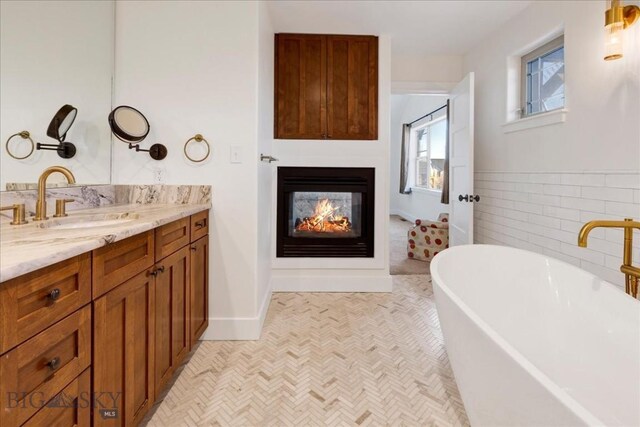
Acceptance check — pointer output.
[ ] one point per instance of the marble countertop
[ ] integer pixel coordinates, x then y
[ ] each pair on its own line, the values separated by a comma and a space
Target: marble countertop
29, 247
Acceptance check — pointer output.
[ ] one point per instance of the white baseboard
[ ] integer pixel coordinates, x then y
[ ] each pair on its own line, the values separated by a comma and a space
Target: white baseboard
250, 328
332, 284
238, 328
406, 216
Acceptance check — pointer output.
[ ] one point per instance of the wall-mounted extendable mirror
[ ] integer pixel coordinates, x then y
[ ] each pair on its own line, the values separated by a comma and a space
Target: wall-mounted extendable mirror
131, 126
58, 128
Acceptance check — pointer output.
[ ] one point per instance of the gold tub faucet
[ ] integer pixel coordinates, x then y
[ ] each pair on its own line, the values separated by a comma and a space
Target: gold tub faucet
41, 203
631, 273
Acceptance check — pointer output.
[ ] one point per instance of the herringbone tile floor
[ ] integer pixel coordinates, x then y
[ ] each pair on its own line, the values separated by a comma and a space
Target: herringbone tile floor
325, 359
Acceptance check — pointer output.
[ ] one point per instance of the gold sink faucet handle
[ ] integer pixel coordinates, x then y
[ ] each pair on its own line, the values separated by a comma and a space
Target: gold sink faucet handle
18, 213
61, 207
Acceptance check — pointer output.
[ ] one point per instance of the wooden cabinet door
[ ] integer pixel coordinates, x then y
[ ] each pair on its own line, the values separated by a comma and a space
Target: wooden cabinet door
352, 87
123, 351
199, 289
72, 407
171, 311
300, 86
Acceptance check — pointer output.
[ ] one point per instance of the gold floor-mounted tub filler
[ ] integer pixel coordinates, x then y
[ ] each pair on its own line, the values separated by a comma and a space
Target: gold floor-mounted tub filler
631, 273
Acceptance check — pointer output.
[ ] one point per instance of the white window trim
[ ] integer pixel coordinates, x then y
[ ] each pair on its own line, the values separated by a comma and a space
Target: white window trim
551, 46
414, 158
515, 123
426, 190
536, 120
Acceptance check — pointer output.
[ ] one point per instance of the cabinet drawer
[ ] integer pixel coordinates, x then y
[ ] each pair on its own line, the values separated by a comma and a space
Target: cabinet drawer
116, 263
199, 225
38, 369
33, 302
73, 409
171, 237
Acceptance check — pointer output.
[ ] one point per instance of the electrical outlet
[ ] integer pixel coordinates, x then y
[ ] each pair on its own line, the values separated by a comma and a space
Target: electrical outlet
158, 175
236, 154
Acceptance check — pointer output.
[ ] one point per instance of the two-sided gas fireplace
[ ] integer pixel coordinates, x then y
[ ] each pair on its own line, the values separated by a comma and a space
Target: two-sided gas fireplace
325, 212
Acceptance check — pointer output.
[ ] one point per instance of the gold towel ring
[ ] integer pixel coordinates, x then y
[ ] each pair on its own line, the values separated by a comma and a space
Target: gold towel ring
198, 138
24, 135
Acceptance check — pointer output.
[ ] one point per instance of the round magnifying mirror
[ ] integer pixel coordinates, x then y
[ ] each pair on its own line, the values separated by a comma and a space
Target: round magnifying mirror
61, 122
128, 124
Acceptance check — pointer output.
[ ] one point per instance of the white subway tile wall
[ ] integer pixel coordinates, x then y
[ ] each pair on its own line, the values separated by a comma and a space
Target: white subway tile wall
543, 212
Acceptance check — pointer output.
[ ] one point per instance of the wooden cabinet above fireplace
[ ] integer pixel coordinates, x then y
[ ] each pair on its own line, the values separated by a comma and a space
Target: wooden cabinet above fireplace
326, 87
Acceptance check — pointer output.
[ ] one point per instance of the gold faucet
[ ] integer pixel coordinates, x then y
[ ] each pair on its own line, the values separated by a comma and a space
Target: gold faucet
41, 203
631, 273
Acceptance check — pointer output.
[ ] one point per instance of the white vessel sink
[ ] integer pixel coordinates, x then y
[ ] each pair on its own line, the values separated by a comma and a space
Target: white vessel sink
89, 221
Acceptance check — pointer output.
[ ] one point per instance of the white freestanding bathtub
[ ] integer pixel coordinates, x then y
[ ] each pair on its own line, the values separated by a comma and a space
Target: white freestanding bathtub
534, 341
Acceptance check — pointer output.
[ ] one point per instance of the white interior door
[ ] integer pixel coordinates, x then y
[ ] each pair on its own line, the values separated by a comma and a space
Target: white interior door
461, 163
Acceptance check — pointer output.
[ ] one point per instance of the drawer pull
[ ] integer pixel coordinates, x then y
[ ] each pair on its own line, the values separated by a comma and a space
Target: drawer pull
201, 224
54, 294
54, 363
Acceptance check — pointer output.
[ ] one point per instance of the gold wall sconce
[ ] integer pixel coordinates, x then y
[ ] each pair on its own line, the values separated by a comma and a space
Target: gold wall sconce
617, 18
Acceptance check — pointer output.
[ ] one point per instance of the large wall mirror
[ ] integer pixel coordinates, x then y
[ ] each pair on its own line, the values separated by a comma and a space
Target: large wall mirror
55, 55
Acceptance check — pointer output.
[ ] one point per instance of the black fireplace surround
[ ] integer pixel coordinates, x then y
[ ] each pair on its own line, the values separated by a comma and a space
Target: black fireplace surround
325, 212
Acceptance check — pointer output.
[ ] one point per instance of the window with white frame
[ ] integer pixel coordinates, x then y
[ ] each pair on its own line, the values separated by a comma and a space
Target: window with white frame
429, 141
542, 84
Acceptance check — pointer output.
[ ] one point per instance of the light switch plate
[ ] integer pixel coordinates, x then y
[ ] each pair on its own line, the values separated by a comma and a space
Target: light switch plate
236, 154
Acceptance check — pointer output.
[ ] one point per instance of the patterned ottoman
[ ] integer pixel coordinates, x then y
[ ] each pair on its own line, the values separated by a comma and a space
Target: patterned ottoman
428, 238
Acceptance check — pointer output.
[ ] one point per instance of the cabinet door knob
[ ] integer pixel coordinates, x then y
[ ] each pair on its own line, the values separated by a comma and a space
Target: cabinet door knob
153, 272
201, 224
461, 197
54, 363
193, 248
54, 294
161, 269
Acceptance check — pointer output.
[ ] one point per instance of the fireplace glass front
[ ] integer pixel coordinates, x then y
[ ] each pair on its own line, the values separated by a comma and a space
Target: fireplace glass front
325, 214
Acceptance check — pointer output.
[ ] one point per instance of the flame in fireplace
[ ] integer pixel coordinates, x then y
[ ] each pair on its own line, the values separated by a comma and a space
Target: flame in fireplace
324, 220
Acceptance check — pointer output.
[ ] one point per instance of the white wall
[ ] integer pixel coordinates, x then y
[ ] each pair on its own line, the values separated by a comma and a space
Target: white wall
538, 186
420, 203
54, 53
345, 274
416, 68
192, 67
266, 171
412, 74
603, 98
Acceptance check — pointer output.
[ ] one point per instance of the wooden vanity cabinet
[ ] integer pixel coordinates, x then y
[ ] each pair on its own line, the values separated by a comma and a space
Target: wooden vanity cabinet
117, 348
123, 351
171, 315
326, 87
152, 311
199, 289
